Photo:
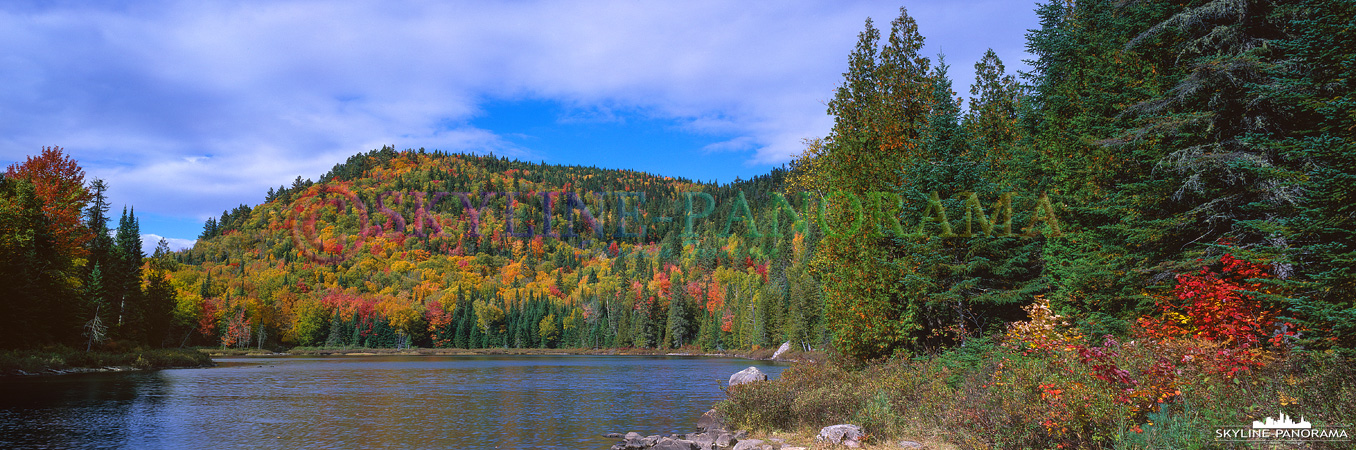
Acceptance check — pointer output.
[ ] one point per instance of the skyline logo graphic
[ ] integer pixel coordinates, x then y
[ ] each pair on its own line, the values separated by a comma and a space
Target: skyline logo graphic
1283, 429
1282, 422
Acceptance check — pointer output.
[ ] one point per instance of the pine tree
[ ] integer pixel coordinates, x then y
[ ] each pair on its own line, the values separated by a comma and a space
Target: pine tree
1314, 88
880, 112
124, 278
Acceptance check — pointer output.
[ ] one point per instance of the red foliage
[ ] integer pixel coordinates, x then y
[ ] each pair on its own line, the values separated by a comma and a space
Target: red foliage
207, 320
438, 321
60, 182
1216, 310
661, 280
1215, 306
637, 289
694, 290
715, 296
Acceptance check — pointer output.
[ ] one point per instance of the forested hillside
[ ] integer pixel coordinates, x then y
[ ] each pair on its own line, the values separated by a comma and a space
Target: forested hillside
384, 251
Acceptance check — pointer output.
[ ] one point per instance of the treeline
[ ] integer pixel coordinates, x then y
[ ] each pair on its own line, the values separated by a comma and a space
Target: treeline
68, 279
1164, 134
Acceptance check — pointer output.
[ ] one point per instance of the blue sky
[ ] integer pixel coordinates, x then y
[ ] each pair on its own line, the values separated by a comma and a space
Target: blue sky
190, 108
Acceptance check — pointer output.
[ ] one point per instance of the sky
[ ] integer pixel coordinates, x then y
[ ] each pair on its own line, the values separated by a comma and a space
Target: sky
190, 108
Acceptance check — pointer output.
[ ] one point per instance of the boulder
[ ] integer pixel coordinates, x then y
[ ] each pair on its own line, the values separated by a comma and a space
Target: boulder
785, 346
711, 420
667, 443
613, 435
748, 375
725, 440
751, 444
635, 440
704, 440
845, 434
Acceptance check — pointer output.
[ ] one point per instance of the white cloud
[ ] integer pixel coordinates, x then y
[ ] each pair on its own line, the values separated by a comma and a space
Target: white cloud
150, 241
188, 108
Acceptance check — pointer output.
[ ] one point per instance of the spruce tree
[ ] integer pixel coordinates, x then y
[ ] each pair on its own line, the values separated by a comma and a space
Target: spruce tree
125, 279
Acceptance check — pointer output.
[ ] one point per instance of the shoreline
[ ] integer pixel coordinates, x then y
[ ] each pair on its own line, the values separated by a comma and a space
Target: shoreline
51, 372
765, 354
65, 361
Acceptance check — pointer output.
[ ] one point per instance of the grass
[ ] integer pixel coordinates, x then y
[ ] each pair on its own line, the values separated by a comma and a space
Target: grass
63, 359
988, 396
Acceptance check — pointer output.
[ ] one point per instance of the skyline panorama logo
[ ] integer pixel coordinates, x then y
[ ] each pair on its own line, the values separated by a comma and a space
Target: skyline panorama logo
335, 207
1283, 429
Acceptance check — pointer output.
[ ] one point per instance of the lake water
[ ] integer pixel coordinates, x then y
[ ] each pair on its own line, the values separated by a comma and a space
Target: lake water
467, 402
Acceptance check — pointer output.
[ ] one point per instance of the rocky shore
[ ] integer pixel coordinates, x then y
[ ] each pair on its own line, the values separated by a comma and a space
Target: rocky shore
714, 433
711, 435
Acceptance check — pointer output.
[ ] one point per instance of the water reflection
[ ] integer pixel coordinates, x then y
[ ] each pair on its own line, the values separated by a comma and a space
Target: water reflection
368, 402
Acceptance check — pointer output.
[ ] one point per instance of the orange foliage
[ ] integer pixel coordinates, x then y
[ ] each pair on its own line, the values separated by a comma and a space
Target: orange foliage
60, 182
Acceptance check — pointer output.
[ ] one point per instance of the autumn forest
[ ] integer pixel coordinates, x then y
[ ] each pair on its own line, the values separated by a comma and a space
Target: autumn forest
1176, 173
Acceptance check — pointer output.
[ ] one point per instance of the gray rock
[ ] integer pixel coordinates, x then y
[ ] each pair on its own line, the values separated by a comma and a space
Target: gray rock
751, 444
725, 440
667, 443
846, 434
910, 444
748, 375
711, 420
613, 435
785, 346
635, 440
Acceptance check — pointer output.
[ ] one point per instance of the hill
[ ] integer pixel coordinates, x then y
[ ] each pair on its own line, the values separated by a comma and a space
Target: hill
399, 248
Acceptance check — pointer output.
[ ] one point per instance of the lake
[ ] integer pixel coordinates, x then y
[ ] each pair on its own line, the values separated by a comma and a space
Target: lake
499, 401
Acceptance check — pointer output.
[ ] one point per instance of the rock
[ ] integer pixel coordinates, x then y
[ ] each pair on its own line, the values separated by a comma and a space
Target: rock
704, 440
910, 444
613, 435
748, 375
754, 444
846, 434
635, 440
667, 443
725, 440
785, 346
711, 420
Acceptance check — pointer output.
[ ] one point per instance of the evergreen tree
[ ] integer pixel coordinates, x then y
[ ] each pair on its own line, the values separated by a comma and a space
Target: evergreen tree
35, 309
879, 116
124, 280
160, 295
1315, 89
